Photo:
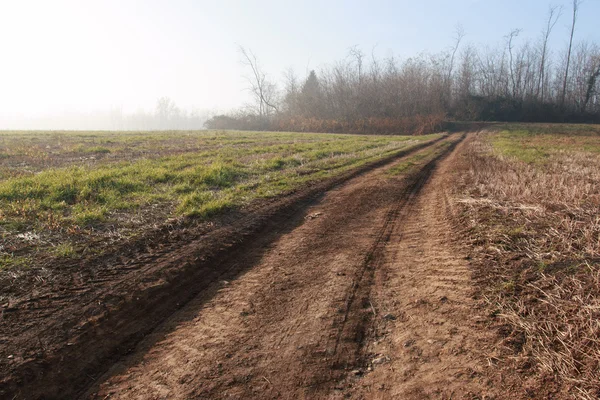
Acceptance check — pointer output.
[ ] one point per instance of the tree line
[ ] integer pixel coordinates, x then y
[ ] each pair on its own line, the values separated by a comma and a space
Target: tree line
514, 81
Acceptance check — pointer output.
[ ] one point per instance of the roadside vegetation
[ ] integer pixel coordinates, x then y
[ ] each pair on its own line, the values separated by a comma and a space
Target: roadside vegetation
61, 191
530, 196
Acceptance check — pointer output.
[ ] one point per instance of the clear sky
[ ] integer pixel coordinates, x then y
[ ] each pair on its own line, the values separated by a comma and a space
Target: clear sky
82, 56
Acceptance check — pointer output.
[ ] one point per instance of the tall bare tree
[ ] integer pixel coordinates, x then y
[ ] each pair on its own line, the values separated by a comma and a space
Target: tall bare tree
554, 14
509, 43
358, 56
564, 89
262, 89
459, 34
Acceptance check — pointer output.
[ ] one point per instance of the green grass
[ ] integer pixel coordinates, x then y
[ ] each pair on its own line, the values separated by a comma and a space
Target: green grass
549, 128
64, 250
538, 143
418, 159
50, 186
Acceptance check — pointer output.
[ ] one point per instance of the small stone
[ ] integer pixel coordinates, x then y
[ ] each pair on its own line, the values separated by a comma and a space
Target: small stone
380, 360
314, 215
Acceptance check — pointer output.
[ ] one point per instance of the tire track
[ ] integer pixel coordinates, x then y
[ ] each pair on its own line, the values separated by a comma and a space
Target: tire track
284, 327
433, 344
357, 324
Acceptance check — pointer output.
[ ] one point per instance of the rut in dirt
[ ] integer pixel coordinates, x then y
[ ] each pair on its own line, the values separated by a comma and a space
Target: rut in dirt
296, 324
430, 338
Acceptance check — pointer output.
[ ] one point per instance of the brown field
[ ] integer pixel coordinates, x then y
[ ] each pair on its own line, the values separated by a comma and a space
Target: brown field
530, 200
278, 265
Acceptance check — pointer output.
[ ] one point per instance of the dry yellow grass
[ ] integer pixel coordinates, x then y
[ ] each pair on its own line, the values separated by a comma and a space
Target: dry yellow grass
536, 230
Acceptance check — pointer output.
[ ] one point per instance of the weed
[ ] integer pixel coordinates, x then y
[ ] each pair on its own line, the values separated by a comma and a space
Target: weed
64, 250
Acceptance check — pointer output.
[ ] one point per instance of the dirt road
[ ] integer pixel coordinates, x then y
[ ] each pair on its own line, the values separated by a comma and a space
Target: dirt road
367, 297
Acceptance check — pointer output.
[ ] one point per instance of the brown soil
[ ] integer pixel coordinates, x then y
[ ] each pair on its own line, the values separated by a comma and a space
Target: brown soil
364, 294
63, 326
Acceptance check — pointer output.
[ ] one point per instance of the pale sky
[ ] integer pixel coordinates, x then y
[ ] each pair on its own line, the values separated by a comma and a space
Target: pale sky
83, 56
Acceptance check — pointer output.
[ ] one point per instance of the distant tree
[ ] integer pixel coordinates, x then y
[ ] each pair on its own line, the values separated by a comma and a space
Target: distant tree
263, 90
310, 95
509, 43
165, 111
292, 91
459, 34
592, 81
358, 56
574, 21
554, 14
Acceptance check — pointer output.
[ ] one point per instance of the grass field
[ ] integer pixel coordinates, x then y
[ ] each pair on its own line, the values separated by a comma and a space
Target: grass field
531, 200
59, 190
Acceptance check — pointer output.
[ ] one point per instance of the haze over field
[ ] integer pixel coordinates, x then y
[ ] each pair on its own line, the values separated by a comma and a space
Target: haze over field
105, 65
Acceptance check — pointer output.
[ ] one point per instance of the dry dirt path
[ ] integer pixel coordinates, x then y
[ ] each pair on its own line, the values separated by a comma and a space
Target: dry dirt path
367, 298
431, 342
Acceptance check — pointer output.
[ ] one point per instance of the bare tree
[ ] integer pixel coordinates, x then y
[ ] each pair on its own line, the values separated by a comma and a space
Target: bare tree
292, 90
509, 39
591, 83
459, 34
564, 89
262, 89
357, 54
554, 14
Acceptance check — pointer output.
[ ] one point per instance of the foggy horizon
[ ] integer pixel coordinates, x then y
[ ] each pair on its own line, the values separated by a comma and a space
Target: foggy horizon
112, 119
84, 65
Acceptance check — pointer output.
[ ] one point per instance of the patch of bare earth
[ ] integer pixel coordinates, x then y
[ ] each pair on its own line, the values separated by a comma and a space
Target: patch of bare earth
368, 297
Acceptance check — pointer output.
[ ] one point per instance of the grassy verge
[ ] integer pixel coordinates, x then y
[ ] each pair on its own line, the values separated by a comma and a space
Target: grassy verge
530, 200
55, 198
417, 160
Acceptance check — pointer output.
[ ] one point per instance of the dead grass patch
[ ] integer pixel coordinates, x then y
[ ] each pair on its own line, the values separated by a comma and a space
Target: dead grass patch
535, 230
